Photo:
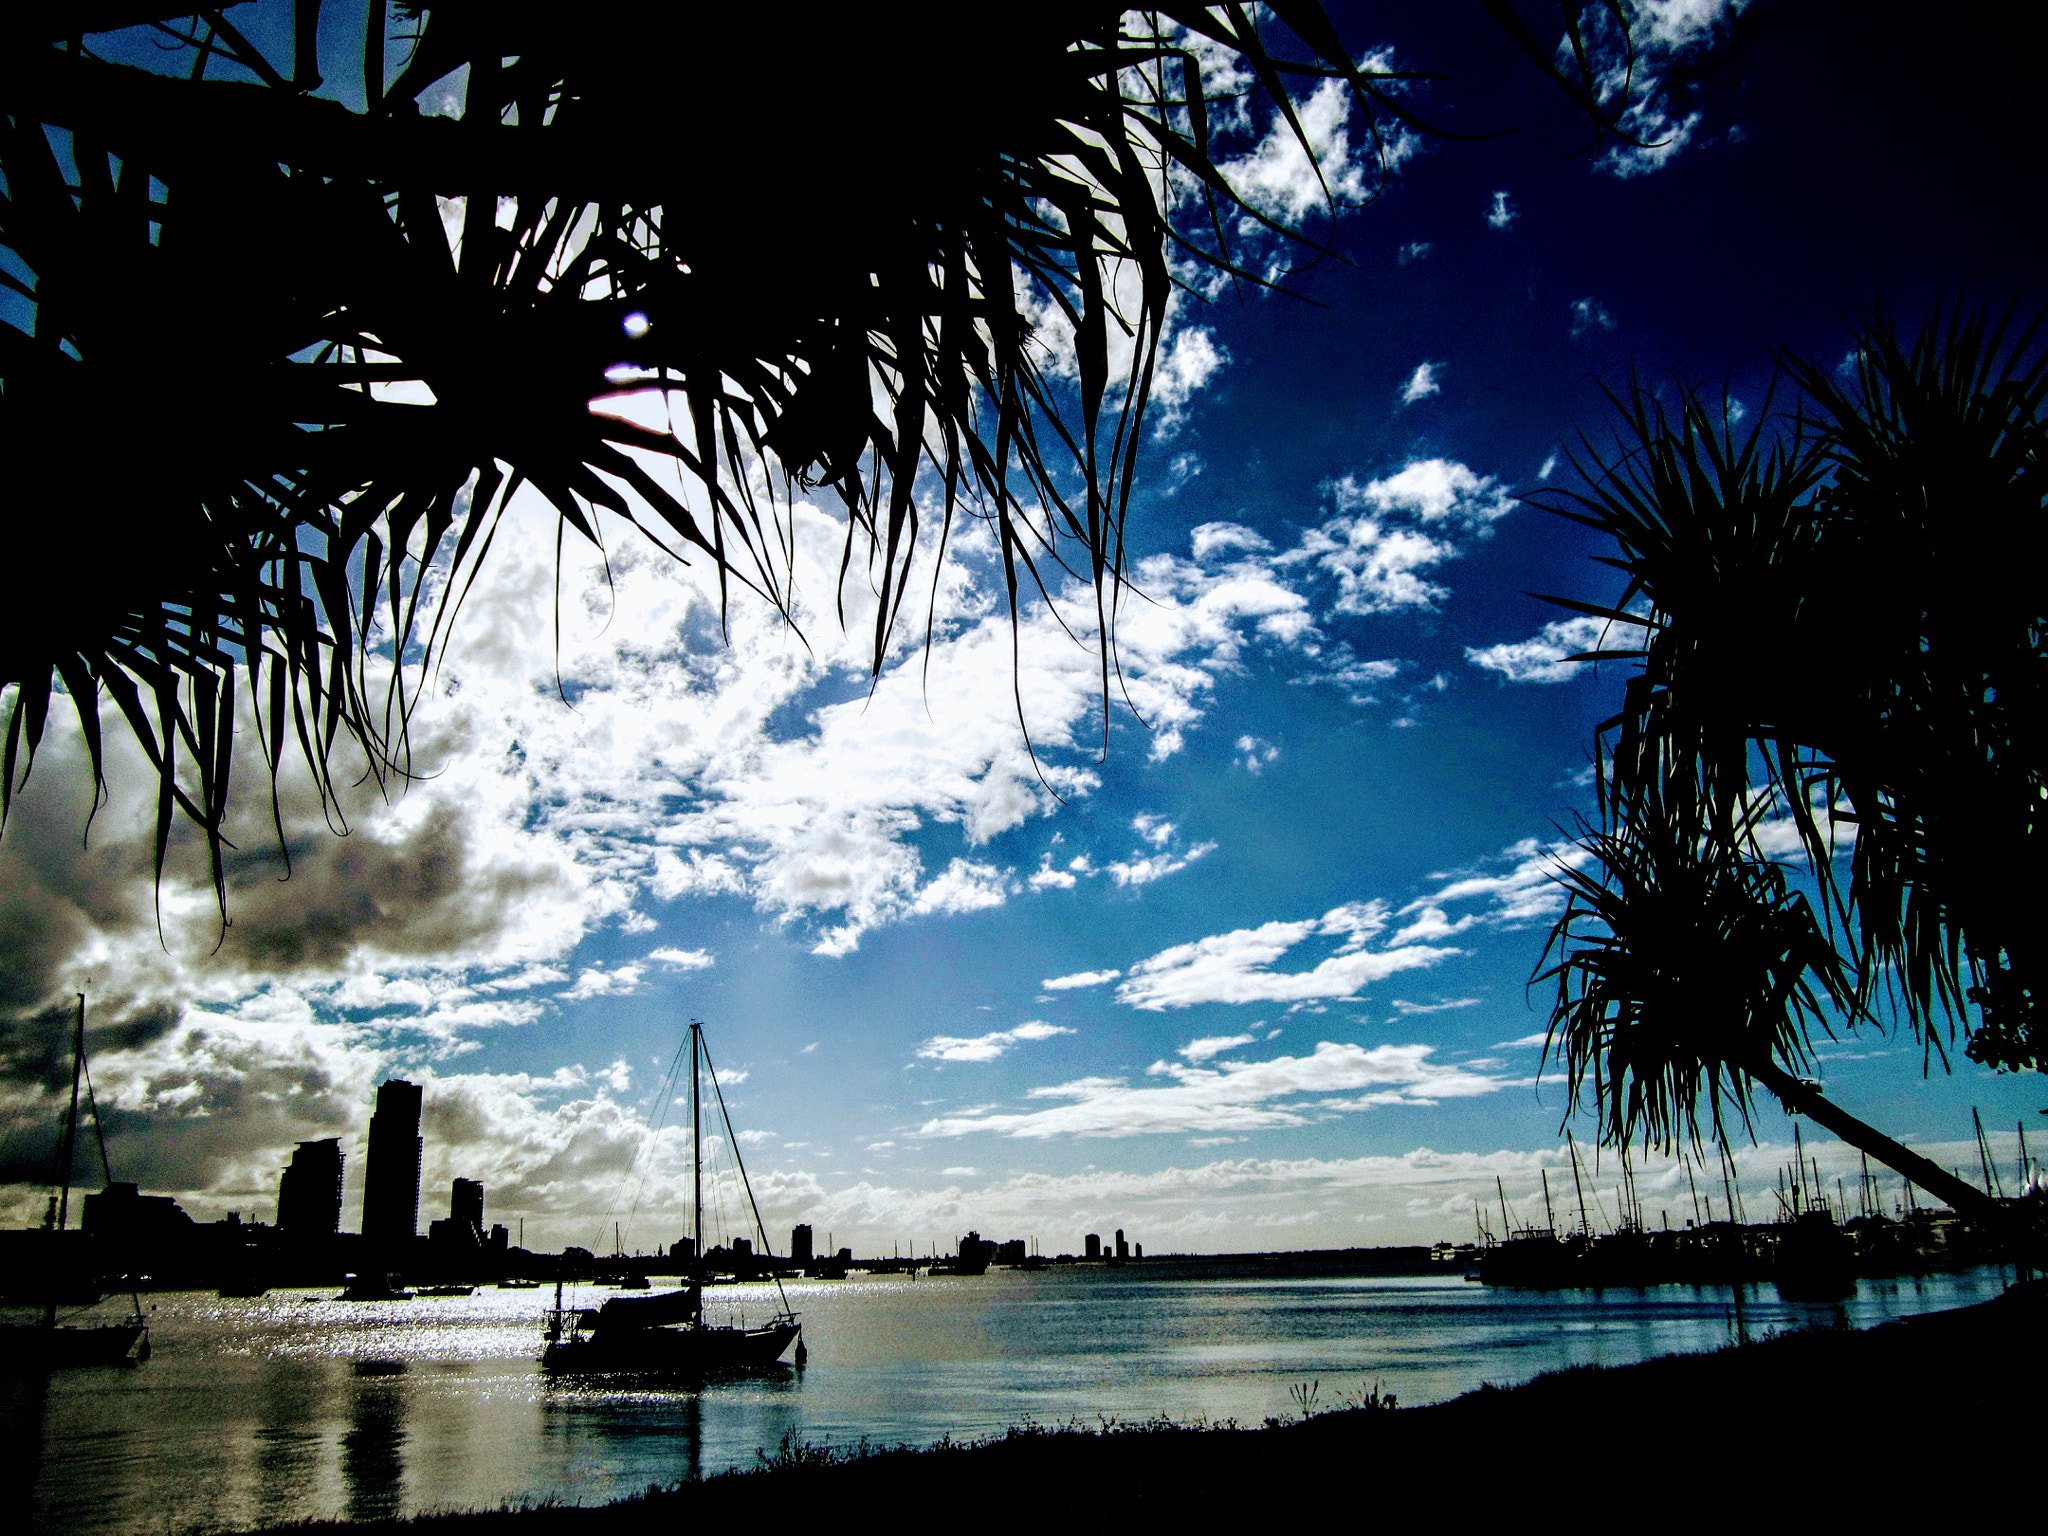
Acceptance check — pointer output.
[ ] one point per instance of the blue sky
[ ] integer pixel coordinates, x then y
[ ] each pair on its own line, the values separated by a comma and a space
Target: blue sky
1257, 977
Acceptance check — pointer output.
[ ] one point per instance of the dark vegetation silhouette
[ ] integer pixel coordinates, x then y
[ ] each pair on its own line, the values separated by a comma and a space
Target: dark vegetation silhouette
227, 234
1839, 658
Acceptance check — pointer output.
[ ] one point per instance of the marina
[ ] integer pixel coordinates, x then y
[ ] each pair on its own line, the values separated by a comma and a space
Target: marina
297, 1406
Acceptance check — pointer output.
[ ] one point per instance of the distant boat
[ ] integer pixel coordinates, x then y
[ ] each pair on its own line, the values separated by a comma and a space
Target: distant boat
665, 1334
445, 1290
48, 1344
372, 1287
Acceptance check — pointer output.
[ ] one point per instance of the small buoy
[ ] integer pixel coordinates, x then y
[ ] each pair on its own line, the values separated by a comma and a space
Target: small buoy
803, 1352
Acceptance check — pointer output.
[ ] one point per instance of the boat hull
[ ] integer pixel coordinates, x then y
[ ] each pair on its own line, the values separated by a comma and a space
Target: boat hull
669, 1351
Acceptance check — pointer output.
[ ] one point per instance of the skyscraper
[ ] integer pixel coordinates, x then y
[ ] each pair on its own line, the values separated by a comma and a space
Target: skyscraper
800, 1243
466, 1205
391, 1176
309, 1193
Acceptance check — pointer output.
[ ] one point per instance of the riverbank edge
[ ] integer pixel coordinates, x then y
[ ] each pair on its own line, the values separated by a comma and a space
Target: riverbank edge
1979, 1371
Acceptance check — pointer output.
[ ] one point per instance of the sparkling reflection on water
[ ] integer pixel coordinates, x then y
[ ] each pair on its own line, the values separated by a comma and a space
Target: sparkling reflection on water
293, 1405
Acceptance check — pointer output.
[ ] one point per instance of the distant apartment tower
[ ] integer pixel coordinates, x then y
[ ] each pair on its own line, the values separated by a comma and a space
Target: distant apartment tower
1123, 1249
309, 1193
391, 1176
1094, 1246
800, 1244
466, 1205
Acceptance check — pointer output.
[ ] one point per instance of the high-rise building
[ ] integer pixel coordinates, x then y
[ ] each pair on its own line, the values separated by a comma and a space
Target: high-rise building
800, 1244
391, 1175
309, 1193
1123, 1249
466, 1205
1094, 1246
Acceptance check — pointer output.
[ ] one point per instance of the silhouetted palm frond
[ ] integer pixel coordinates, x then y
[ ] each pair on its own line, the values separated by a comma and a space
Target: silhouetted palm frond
286, 344
1684, 968
1840, 628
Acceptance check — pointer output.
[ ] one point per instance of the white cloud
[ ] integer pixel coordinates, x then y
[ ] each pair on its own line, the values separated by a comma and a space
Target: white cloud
1661, 33
990, 1046
1046, 878
1528, 892
1199, 1051
1144, 870
1208, 539
1230, 1097
1541, 1037
1235, 967
684, 959
1280, 180
1431, 491
1257, 756
1422, 383
1078, 979
1155, 830
1389, 531
1402, 1006
596, 981
1545, 656
1499, 215
1414, 250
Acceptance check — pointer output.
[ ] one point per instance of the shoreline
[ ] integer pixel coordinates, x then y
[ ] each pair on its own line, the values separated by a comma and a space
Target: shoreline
1857, 1408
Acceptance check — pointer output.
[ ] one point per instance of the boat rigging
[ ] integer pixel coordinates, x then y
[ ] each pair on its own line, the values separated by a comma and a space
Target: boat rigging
666, 1334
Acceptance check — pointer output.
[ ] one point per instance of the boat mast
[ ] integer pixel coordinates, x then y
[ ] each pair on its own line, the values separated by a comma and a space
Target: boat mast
696, 1168
66, 1147
70, 1142
1585, 1226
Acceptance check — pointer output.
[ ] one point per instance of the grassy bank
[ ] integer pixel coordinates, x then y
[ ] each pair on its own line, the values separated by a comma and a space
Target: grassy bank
1923, 1412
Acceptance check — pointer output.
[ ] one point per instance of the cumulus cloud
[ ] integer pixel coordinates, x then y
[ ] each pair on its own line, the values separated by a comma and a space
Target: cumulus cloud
683, 959
989, 1046
1236, 967
1499, 214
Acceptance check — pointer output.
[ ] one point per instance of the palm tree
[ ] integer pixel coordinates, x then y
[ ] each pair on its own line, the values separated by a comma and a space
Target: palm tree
1829, 646
286, 344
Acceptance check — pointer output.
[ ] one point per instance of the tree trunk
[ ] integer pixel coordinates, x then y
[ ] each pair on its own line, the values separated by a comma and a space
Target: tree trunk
1967, 1199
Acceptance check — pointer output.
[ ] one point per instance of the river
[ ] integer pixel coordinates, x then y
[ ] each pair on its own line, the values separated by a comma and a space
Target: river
294, 1405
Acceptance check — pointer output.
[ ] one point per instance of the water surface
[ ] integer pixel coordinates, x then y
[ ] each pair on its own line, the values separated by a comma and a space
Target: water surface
294, 1405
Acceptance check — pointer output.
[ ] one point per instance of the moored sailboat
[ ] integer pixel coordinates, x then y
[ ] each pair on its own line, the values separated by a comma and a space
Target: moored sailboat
47, 1343
666, 1334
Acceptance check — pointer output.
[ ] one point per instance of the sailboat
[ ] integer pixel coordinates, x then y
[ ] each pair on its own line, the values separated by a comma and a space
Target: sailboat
666, 1334
46, 1343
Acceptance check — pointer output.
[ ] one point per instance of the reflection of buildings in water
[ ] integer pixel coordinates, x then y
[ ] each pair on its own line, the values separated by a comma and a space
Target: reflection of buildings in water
373, 1449
23, 1405
292, 1407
